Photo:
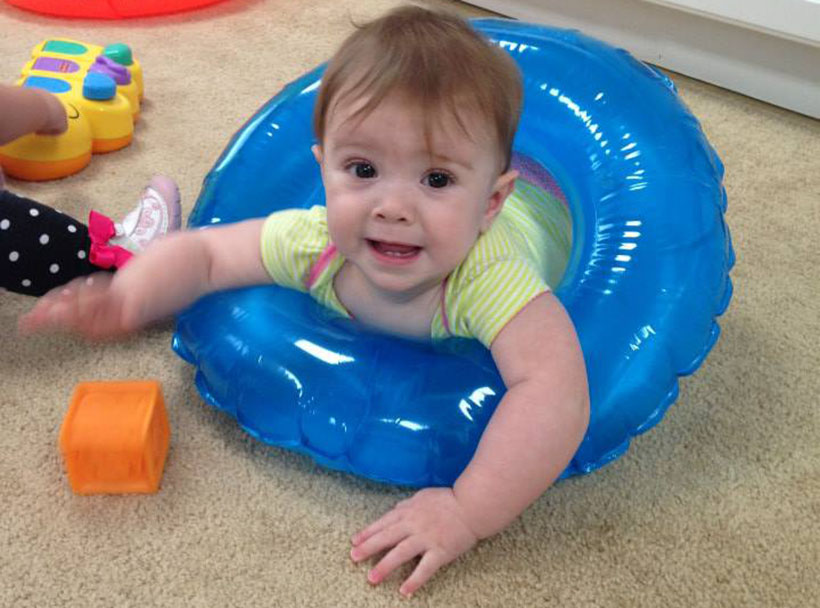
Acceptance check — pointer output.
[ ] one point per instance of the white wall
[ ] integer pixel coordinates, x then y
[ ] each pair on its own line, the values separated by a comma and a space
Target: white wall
767, 49
795, 19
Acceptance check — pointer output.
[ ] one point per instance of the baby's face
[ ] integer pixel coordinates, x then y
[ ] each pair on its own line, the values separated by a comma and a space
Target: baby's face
403, 215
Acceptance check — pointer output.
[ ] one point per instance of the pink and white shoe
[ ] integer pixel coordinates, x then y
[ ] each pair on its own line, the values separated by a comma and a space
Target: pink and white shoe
157, 212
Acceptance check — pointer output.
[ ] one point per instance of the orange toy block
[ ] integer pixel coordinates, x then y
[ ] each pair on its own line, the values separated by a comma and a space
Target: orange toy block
115, 437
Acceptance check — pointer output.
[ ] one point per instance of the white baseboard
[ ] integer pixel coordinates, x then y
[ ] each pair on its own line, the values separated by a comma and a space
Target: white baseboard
780, 69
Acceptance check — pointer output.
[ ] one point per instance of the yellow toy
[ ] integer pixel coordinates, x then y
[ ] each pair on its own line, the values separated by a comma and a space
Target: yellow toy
115, 437
101, 89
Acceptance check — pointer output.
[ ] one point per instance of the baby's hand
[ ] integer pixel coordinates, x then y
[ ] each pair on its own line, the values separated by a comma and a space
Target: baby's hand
88, 306
431, 525
55, 120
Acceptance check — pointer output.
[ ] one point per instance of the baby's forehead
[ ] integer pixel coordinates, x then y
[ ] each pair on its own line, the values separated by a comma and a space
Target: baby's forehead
446, 122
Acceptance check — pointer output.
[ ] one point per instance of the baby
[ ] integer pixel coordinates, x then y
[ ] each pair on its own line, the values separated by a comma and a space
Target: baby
415, 121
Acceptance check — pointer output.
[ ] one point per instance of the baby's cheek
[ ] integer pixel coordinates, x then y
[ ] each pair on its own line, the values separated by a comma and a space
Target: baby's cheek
340, 229
449, 252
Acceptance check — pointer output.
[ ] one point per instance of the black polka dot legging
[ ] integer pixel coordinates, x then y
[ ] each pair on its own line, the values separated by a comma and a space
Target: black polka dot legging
40, 248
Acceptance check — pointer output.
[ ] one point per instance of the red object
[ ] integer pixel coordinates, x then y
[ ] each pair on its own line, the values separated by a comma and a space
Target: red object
108, 9
100, 230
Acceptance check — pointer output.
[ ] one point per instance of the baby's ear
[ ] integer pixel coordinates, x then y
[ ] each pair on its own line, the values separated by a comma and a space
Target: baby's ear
501, 190
317, 152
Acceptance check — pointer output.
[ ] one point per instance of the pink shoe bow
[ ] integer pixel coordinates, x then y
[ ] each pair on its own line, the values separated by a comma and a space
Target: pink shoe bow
100, 231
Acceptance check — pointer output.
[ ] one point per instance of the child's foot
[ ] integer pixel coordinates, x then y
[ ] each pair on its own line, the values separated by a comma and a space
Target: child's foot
157, 212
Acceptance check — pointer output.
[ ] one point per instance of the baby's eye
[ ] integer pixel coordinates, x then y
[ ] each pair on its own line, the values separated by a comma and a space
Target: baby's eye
438, 179
362, 170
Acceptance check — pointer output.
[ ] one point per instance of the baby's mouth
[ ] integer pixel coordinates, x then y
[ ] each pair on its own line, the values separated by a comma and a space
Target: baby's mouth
394, 250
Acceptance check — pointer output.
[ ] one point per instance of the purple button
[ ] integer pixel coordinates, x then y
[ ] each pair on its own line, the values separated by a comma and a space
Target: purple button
104, 65
55, 64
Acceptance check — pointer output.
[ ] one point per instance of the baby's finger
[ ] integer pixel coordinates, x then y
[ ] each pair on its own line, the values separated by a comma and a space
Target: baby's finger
39, 315
29, 323
427, 567
53, 309
91, 299
403, 552
34, 320
384, 539
65, 311
385, 520
94, 313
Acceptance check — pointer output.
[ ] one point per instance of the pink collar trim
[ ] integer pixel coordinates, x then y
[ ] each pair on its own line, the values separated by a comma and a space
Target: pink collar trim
324, 259
330, 252
444, 320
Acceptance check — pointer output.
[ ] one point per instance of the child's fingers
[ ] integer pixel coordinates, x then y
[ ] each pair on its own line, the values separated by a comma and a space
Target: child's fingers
403, 552
41, 315
91, 300
98, 310
384, 539
385, 520
64, 305
30, 322
83, 306
426, 568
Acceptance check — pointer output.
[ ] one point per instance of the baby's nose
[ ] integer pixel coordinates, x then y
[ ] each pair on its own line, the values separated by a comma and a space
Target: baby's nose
394, 208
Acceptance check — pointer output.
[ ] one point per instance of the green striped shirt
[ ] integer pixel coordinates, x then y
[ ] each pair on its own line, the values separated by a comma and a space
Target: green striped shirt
519, 257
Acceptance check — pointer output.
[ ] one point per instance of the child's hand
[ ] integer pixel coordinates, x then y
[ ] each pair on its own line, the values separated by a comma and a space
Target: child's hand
54, 120
431, 525
29, 110
87, 306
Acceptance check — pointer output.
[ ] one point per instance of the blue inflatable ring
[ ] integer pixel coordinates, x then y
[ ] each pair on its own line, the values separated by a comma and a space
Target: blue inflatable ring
648, 274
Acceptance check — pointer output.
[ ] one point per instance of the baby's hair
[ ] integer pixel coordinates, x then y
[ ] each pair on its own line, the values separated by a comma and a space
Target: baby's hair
430, 58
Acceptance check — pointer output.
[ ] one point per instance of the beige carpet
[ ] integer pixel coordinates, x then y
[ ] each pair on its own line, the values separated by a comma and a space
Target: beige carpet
717, 506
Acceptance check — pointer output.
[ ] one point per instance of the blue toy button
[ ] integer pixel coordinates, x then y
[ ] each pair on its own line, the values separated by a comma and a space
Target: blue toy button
99, 87
52, 85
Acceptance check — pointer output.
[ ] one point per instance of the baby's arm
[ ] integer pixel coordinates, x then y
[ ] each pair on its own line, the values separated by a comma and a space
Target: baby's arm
539, 423
29, 110
528, 442
169, 275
